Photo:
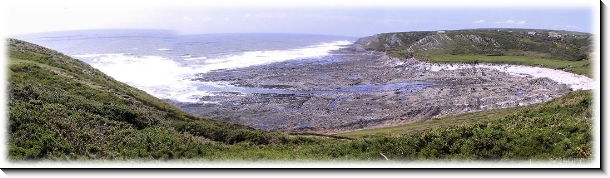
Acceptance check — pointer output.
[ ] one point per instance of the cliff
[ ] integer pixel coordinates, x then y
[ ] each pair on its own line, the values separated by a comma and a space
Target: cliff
548, 44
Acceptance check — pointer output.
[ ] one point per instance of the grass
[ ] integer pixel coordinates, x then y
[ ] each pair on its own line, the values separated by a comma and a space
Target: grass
577, 67
476, 117
503, 42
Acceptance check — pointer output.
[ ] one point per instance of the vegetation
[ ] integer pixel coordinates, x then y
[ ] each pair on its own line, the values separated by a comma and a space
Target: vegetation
563, 50
547, 44
63, 109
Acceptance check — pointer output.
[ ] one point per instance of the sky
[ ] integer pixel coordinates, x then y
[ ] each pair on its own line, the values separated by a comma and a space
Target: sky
348, 18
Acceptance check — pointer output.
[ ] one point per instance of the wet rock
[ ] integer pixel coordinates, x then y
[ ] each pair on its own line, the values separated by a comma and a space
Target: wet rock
354, 89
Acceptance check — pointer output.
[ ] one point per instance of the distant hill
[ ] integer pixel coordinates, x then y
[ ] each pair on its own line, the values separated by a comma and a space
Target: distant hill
539, 43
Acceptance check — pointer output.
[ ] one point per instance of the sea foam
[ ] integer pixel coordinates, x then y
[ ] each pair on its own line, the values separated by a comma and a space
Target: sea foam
158, 76
170, 79
253, 58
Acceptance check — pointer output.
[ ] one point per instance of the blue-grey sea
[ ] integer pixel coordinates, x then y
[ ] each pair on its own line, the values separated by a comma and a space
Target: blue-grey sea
163, 63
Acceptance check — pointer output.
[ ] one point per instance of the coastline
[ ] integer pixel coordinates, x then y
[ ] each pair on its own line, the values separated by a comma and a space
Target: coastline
576, 81
353, 89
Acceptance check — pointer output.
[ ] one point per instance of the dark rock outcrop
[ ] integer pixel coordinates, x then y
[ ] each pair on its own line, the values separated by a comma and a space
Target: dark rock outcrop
363, 89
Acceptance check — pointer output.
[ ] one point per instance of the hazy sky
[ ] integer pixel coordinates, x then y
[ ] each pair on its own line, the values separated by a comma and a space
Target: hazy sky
350, 18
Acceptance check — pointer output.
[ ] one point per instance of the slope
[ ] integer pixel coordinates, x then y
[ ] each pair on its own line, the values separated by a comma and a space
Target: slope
554, 49
62, 108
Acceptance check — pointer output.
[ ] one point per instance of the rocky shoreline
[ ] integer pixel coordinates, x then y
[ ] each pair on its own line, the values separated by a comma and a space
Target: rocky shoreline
355, 89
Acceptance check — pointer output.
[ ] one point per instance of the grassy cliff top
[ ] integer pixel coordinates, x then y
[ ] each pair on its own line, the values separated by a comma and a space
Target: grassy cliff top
556, 49
539, 43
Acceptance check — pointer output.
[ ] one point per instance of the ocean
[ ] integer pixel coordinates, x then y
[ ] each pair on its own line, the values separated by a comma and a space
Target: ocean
163, 63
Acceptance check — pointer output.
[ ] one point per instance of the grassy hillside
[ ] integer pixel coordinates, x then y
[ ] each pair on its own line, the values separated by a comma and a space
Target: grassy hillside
63, 109
547, 44
528, 45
